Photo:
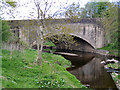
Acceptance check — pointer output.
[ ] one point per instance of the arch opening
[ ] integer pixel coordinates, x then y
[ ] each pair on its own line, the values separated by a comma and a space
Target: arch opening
78, 43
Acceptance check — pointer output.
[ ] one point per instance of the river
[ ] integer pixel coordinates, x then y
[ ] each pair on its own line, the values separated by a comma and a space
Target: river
87, 68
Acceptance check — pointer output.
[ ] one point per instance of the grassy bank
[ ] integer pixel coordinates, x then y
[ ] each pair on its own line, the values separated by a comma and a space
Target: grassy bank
115, 76
21, 71
111, 48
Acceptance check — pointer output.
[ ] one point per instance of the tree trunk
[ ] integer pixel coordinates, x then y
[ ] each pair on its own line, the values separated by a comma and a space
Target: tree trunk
40, 47
39, 41
39, 58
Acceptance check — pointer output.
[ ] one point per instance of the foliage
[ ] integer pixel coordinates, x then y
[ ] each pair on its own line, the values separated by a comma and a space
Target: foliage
83, 13
110, 47
108, 14
7, 8
0, 34
49, 43
42, 11
91, 10
11, 3
62, 34
115, 76
110, 22
95, 9
5, 31
23, 43
73, 11
5, 25
23, 72
66, 39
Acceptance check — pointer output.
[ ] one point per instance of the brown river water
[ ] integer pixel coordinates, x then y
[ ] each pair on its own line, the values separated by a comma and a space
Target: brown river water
87, 68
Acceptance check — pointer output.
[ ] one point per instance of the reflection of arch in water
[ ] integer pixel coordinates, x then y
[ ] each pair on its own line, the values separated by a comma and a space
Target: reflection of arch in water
80, 60
94, 74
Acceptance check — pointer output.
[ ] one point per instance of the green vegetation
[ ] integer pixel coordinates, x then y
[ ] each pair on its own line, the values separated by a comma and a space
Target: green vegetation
115, 76
113, 65
107, 12
111, 25
5, 31
91, 10
94, 9
49, 43
21, 71
111, 48
11, 3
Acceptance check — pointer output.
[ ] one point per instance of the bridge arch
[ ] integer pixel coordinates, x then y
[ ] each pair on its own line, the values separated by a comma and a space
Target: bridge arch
91, 43
81, 43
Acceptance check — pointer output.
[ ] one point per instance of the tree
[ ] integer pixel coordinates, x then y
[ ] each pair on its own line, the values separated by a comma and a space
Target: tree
62, 37
110, 22
7, 35
41, 18
5, 25
7, 8
83, 13
94, 9
107, 12
91, 10
42, 13
73, 11
5, 31
11, 3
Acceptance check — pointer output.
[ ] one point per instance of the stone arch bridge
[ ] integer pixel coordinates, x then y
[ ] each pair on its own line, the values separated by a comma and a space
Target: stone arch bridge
88, 33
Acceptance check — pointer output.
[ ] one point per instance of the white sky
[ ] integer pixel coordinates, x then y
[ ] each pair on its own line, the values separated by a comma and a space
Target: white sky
25, 8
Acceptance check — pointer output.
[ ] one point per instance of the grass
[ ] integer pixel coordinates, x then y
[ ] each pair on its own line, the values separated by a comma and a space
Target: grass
116, 78
112, 50
49, 43
21, 71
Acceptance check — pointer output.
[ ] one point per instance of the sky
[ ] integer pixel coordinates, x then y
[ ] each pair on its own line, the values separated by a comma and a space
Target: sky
26, 9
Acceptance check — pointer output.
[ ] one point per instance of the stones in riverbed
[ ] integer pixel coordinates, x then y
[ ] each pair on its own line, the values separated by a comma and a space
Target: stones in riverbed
109, 61
111, 70
103, 62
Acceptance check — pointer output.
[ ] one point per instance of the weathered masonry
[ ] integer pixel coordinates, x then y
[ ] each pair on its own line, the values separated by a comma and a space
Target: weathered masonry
88, 33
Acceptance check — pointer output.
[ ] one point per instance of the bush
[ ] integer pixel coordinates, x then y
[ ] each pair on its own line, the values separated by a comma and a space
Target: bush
5, 31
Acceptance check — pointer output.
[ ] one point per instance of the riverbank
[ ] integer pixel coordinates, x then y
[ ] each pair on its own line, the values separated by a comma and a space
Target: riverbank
115, 52
115, 75
20, 70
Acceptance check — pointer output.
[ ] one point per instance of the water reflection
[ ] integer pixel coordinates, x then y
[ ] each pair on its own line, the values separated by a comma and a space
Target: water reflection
88, 69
